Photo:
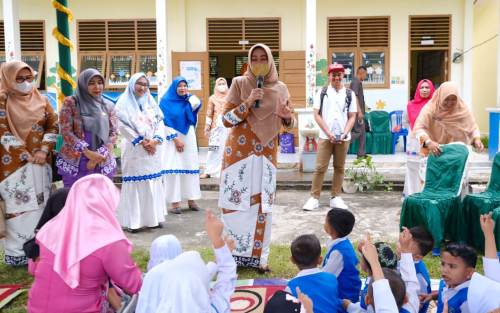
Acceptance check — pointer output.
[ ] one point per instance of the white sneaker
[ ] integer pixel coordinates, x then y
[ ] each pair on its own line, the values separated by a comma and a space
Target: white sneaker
311, 204
337, 202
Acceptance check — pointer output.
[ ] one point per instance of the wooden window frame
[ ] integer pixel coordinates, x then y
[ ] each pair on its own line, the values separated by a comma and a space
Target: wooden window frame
244, 47
358, 50
138, 61
109, 55
83, 54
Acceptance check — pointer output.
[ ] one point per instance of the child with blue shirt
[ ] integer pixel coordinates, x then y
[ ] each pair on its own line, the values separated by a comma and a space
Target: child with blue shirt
421, 244
320, 286
340, 259
458, 263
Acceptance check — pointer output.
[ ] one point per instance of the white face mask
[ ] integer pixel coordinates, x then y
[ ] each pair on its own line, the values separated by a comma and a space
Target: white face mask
222, 88
24, 87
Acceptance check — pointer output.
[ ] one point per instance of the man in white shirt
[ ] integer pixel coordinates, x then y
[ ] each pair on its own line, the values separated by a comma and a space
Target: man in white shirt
335, 110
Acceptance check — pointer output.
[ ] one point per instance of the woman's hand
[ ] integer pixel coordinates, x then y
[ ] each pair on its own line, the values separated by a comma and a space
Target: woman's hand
149, 145
478, 144
91, 165
179, 145
434, 148
206, 131
93, 156
40, 157
283, 110
256, 94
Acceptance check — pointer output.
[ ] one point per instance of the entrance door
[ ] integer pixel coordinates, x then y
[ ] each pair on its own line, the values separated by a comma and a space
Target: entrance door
191, 62
432, 64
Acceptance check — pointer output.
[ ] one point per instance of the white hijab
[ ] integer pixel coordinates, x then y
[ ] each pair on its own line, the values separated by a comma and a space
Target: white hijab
166, 247
180, 285
128, 110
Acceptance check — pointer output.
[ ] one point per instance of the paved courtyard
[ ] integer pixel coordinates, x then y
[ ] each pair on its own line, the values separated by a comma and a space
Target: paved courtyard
377, 212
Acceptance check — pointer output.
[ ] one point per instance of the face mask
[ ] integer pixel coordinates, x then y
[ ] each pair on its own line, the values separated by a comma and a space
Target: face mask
260, 69
222, 88
24, 87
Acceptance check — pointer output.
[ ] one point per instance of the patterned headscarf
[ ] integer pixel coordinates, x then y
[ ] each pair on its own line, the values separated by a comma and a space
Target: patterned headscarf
386, 255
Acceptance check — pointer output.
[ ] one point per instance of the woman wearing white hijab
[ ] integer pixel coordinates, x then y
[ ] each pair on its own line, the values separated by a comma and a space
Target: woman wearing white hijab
181, 285
140, 122
166, 247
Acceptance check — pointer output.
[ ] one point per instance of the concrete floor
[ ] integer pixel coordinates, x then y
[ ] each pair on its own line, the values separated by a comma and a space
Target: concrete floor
377, 212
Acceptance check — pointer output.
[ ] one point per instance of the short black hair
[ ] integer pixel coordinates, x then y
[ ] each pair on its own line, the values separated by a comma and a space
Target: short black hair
463, 251
423, 239
341, 220
306, 250
361, 67
397, 285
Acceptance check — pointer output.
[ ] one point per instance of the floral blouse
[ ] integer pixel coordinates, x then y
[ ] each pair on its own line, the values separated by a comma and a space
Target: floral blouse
13, 154
74, 144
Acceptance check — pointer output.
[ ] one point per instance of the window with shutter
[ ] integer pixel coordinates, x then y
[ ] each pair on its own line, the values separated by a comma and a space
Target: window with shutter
430, 32
32, 35
239, 34
355, 41
118, 48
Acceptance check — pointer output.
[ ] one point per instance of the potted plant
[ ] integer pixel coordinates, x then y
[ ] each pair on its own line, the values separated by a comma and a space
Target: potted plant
362, 176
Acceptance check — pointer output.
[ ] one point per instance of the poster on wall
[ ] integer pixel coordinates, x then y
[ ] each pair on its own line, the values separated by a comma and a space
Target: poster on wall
191, 70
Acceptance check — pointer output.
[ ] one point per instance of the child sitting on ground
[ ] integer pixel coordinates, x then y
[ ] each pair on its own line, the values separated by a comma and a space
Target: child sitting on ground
340, 259
407, 271
387, 259
182, 285
320, 286
421, 244
386, 290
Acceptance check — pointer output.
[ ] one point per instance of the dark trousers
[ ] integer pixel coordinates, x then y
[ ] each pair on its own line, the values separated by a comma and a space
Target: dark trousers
359, 132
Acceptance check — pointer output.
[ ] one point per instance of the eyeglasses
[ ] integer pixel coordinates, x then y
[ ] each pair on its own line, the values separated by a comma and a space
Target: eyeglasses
22, 79
142, 85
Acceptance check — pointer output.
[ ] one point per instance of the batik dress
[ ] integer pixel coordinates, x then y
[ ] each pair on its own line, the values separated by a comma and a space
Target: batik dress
25, 187
247, 188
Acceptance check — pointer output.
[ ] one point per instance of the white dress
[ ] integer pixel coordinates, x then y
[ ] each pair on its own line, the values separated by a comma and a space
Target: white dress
181, 169
216, 142
142, 200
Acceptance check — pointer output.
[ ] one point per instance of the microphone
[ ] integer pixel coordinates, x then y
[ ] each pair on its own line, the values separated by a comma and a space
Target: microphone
260, 84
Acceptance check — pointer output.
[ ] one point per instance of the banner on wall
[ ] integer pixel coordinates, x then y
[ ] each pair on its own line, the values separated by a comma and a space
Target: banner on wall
191, 71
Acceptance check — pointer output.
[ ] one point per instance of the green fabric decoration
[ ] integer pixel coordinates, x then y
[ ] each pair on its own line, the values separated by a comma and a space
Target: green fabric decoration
381, 132
482, 203
437, 207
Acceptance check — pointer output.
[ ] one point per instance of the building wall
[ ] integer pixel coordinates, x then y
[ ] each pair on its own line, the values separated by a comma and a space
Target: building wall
484, 60
187, 27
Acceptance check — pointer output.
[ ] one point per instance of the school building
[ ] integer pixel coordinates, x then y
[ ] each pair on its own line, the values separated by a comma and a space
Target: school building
399, 41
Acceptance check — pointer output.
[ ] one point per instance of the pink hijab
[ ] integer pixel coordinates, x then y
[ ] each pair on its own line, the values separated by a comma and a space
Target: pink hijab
415, 106
85, 224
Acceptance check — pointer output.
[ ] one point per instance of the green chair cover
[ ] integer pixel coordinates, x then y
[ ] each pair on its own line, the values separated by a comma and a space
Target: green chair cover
437, 207
481, 203
381, 132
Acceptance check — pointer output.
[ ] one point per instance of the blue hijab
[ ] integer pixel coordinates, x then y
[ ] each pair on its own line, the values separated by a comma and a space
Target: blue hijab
177, 110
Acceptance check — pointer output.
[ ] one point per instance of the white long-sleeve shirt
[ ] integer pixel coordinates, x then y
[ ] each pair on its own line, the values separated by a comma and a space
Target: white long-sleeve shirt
492, 269
224, 286
335, 262
409, 276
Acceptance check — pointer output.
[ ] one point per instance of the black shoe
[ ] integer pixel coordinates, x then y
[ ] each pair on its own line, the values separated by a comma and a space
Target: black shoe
194, 208
176, 211
133, 231
157, 226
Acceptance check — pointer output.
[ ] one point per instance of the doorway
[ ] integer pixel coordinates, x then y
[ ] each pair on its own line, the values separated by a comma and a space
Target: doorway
428, 64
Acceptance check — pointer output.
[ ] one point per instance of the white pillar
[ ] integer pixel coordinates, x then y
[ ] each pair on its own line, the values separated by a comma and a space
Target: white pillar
467, 57
11, 29
164, 54
310, 51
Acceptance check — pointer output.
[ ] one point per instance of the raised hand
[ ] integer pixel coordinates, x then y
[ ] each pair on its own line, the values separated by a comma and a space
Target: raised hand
214, 228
